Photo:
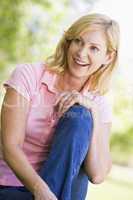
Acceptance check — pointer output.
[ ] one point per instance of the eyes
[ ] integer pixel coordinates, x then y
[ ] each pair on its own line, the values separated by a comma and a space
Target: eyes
92, 48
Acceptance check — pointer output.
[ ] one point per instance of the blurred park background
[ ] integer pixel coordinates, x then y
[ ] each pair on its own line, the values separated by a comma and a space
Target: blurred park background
29, 32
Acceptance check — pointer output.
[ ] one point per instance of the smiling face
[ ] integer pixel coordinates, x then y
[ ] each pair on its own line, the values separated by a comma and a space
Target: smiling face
87, 53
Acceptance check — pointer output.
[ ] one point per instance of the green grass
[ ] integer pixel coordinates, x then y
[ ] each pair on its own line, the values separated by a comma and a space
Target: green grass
113, 188
110, 190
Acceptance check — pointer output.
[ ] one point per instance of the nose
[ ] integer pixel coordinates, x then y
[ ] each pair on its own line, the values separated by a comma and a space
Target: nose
82, 53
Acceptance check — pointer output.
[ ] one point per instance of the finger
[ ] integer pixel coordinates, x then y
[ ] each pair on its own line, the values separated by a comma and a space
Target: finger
66, 107
69, 100
59, 97
66, 99
63, 100
95, 92
63, 94
74, 98
67, 94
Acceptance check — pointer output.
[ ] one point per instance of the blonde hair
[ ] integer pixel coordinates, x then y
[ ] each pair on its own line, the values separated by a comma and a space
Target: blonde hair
99, 80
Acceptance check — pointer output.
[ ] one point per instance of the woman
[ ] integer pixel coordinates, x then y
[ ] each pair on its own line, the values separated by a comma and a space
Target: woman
55, 116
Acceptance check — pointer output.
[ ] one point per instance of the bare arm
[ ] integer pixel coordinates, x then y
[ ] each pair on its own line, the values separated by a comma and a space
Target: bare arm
13, 121
98, 160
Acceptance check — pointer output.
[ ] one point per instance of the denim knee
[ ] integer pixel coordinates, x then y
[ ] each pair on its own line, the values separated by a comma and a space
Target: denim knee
79, 114
78, 119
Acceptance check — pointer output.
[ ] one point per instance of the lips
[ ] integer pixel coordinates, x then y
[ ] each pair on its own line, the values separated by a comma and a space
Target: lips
81, 63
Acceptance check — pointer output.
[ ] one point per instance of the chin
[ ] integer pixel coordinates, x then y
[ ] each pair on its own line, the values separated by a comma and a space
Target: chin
77, 74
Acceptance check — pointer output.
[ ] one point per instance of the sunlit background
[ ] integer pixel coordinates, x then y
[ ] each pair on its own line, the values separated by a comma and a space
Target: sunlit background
29, 32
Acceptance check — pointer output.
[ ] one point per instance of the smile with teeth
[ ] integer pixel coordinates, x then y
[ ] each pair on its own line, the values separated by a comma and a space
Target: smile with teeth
80, 62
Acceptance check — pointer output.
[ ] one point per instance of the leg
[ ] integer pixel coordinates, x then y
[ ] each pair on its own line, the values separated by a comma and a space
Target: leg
65, 177
70, 146
79, 186
15, 193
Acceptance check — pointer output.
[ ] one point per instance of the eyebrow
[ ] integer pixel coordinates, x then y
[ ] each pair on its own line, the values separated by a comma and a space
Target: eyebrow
92, 43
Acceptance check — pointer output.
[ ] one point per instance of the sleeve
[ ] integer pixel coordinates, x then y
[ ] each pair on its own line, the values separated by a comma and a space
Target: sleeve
105, 106
106, 110
23, 80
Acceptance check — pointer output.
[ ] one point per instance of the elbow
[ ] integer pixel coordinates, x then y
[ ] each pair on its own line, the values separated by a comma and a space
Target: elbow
97, 179
100, 177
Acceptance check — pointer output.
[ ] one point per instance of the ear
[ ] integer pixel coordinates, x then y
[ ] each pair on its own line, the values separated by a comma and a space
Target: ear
110, 57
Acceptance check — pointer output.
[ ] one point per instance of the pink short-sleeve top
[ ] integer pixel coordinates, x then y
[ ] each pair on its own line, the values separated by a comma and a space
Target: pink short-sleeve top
36, 84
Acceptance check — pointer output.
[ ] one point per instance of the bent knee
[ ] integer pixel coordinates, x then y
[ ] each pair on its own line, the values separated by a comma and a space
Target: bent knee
78, 119
79, 113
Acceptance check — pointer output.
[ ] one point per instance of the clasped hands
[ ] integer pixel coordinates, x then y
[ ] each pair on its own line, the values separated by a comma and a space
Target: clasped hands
69, 98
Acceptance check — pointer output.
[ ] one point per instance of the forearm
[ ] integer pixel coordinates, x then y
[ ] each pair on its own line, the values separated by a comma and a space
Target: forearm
18, 162
98, 159
104, 151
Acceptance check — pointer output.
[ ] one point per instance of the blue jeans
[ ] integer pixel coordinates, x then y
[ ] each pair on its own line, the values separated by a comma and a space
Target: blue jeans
63, 170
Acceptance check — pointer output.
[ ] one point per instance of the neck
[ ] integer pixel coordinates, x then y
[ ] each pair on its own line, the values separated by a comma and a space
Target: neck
70, 82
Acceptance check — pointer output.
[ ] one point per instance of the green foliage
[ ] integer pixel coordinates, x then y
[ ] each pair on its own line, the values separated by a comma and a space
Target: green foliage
9, 18
122, 147
123, 142
29, 31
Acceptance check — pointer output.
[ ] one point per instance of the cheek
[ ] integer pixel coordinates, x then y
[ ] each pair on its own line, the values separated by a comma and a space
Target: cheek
100, 59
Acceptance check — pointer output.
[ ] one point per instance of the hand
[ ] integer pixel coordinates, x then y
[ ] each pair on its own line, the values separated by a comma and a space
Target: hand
43, 192
69, 98
66, 100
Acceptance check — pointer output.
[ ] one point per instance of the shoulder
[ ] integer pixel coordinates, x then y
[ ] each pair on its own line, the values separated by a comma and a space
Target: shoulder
31, 70
25, 78
105, 105
99, 99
